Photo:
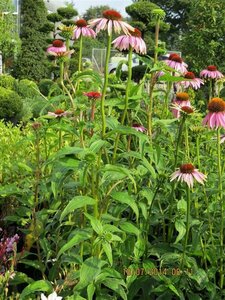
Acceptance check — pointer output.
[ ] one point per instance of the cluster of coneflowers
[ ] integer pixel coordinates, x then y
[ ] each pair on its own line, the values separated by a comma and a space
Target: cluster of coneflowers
181, 105
110, 22
131, 39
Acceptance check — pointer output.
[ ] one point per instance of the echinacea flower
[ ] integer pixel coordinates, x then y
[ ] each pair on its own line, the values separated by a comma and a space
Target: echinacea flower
187, 173
58, 49
58, 113
176, 62
52, 296
66, 31
139, 127
58, 46
193, 82
111, 20
181, 99
182, 110
82, 29
211, 72
134, 40
216, 115
93, 95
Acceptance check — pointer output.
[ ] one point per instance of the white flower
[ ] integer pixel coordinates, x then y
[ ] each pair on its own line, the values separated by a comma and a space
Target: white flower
52, 296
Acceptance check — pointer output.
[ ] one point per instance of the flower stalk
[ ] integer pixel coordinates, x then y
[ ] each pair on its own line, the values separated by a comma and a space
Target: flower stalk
106, 79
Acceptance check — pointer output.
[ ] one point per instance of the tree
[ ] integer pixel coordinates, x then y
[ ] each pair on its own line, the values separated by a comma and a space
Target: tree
141, 13
32, 62
9, 37
203, 43
95, 12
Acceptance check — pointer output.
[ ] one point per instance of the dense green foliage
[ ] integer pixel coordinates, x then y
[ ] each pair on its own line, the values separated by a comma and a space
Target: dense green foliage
32, 62
9, 35
108, 190
193, 25
10, 105
142, 17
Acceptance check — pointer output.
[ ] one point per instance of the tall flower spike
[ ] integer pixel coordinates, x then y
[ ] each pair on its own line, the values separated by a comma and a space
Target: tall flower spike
83, 29
112, 20
176, 62
187, 173
211, 72
134, 40
216, 115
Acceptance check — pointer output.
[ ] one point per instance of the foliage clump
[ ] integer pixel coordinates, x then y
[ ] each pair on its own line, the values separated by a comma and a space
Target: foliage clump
32, 62
10, 105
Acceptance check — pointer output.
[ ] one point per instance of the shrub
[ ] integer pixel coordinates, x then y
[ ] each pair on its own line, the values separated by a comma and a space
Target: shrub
11, 105
8, 82
48, 87
27, 88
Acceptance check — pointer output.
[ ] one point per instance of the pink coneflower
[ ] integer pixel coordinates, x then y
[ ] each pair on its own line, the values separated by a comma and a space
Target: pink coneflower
58, 49
82, 29
187, 173
124, 42
176, 62
58, 113
194, 82
216, 115
93, 95
182, 110
181, 99
111, 20
211, 72
139, 127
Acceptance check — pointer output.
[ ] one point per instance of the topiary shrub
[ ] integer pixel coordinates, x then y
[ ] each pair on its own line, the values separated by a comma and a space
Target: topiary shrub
11, 105
8, 82
27, 88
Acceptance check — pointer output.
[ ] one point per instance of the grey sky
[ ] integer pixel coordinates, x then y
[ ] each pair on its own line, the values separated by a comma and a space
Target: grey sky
83, 5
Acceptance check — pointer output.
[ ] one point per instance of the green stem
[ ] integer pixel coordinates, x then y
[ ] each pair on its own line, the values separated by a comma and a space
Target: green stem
152, 83
64, 87
187, 143
187, 226
106, 79
220, 190
180, 131
128, 84
126, 100
80, 54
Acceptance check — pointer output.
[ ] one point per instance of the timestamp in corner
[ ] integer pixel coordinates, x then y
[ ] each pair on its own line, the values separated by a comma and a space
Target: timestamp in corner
157, 271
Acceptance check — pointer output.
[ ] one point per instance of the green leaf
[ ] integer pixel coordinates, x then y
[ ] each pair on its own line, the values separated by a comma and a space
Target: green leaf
40, 285
97, 145
117, 286
90, 291
108, 251
20, 278
130, 228
95, 224
80, 236
173, 289
112, 173
139, 248
89, 270
89, 74
75, 203
125, 198
180, 227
